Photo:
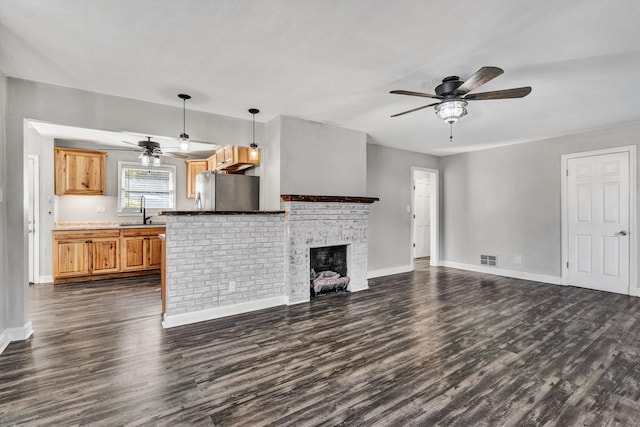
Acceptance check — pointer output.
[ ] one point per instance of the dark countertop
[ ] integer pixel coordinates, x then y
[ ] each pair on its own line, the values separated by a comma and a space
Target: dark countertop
178, 213
329, 199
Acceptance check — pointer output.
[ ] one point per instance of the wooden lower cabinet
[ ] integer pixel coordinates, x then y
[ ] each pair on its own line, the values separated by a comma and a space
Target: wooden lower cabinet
141, 249
98, 254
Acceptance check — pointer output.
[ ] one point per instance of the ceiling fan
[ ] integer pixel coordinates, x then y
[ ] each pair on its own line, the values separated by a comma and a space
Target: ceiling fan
150, 152
454, 95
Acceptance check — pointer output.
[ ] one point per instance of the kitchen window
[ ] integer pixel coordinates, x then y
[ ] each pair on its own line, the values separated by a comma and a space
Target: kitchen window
157, 185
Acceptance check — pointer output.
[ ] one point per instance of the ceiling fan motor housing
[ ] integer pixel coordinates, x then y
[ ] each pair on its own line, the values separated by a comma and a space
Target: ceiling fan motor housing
448, 86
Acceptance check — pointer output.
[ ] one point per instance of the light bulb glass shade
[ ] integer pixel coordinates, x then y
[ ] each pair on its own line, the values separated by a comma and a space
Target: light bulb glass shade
253, 151
156, 160
144, 160
184, 142
451, 111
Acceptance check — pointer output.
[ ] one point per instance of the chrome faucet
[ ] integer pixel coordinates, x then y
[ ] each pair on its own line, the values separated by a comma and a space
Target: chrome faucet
143, 210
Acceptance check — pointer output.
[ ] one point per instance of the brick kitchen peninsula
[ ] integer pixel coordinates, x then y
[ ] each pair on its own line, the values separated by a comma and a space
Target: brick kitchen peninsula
218, 264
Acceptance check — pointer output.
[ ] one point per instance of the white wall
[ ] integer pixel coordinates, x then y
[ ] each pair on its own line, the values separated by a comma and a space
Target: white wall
270, 179
4, 296
321, 159
506, 201
389, 178
42, 147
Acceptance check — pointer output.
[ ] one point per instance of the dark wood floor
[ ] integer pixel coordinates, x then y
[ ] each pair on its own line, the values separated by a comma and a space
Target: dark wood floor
435, 347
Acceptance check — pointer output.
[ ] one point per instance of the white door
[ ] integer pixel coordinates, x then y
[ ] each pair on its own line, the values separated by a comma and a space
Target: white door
31, 229
598, 222
421, 219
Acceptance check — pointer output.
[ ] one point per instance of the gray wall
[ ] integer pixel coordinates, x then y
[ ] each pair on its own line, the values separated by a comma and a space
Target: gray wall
270, 180
506, 201
321, 159
389, 178
73, 107
4, 296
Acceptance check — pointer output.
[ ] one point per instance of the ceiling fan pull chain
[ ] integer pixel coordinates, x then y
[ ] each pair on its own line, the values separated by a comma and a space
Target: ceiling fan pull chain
451, 132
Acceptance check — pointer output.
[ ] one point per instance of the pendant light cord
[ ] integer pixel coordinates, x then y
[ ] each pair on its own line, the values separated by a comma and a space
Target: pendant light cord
184, 115
254, 128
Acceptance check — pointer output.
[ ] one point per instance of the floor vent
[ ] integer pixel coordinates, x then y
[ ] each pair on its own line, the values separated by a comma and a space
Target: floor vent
490, 260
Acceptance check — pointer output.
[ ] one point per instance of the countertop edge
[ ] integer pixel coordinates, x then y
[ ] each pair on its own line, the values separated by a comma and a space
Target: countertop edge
327, 199
195, 213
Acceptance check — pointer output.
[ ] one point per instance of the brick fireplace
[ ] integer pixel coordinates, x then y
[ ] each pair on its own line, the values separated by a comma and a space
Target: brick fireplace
324, 221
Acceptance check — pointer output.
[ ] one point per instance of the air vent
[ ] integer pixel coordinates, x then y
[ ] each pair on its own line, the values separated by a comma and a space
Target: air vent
490, 260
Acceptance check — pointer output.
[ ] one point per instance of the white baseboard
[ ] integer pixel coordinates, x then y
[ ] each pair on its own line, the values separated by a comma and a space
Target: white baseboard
372, 274
15, 334
4, 340
635, 292
215, 313
45, 279
555, 280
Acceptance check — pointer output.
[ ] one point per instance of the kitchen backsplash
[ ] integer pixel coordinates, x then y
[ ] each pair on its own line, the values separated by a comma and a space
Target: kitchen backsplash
89, 208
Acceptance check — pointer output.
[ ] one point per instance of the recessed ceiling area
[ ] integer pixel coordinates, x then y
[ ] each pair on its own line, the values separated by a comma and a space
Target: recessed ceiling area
97, 139
336, 62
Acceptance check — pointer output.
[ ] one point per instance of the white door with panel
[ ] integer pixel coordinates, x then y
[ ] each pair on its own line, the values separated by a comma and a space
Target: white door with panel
422, 219
598, 212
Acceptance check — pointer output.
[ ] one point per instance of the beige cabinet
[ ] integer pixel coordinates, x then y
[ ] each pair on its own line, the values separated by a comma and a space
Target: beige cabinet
81, 255
141, 249
79, 172
194, 167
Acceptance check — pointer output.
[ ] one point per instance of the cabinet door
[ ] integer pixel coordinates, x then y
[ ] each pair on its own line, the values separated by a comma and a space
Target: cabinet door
133, 253
212, 162
105, 255
154, 252
71, 258
229, 155
194, 167
79, 172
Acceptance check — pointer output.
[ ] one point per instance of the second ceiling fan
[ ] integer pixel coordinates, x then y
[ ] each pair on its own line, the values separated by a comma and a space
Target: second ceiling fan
453, 94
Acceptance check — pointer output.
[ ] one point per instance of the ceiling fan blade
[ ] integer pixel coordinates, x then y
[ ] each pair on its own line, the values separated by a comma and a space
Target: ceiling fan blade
415, 109
133, 150
482, 76
411, 93
519, 92
175, 155
131, 143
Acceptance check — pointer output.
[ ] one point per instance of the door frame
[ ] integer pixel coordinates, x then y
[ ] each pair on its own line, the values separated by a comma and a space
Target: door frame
434, 210
36, 217
633, 241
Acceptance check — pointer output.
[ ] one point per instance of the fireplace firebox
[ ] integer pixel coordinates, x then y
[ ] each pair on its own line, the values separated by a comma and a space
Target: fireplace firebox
328, 269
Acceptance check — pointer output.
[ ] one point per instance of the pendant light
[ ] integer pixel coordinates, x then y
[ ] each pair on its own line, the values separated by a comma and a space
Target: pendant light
253, 152
184, 138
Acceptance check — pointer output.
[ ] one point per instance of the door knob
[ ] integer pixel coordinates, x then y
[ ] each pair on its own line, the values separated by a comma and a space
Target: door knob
622, 233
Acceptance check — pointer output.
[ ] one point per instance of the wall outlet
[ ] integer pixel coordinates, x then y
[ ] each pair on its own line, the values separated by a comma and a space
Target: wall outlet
100, 209
518, 259
232, 286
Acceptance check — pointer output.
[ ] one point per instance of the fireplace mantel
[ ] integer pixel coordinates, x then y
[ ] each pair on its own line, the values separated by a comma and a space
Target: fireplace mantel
327, 199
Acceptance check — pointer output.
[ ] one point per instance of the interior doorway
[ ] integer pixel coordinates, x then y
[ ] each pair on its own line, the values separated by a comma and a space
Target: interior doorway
599, 211
424, 214
33, 189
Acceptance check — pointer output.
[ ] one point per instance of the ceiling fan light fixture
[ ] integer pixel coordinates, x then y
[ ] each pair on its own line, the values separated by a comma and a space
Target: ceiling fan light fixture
156, 161
184, 137
451, 111
144, 159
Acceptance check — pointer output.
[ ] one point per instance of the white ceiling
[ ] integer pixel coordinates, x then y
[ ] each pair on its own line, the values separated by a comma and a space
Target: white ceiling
336, 61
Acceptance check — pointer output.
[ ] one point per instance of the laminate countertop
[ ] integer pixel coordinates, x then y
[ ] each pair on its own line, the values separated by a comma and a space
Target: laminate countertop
101, 225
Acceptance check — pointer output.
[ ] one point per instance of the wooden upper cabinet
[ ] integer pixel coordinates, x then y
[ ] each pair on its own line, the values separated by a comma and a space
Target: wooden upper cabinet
194, 167
79, 172
212, 161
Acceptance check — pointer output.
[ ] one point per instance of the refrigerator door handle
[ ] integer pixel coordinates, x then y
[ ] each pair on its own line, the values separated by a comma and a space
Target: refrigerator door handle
198, 201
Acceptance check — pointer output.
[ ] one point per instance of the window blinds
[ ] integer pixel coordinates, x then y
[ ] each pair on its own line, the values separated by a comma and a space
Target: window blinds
156, 185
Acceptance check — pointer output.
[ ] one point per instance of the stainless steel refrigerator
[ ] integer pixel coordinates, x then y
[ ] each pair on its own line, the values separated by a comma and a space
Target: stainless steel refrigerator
227, 192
